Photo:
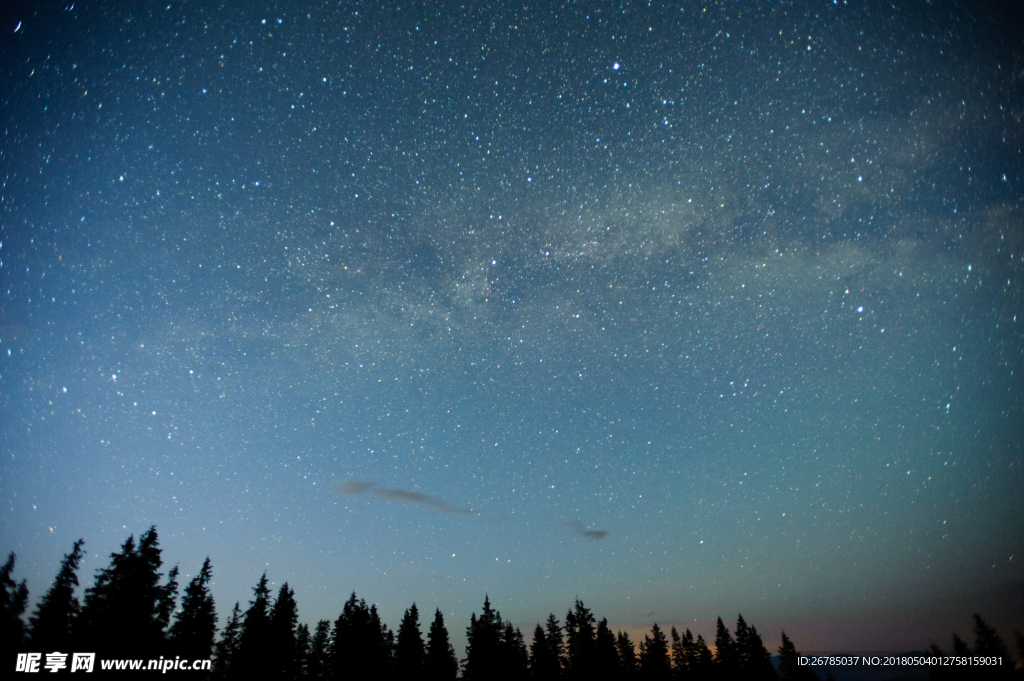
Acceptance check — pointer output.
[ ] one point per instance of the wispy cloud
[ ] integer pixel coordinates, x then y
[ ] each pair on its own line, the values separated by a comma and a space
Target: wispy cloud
580, 529
406, 495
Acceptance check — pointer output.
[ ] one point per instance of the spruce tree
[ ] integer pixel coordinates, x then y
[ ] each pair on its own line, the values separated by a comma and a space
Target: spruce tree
556, 641
654, 660
580, 643
195, 625
54, 621
543, 663
702, 663
254, 638
13, 601
606, 657
726, 656
483, 637
361, 643
755, 661
318, 664
627, 656
282, 652
409, 651
226, 649
440, 663
127, 609
789, 666
303, 641
513, 658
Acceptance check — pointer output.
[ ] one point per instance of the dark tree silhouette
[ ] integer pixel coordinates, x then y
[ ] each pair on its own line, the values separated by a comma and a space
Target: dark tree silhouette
282, 656
701, 664
483, 639
580, 643
127, 609
678, 654
254, 638
302, 645
556, 641
440, 663
410, 650
654, 661
361, 643
195, 625
226, 649
789, 667
607, 657
318, 663
52, 625
727, 659
13, 601
754, 658
512, 656
544, 664
627, 656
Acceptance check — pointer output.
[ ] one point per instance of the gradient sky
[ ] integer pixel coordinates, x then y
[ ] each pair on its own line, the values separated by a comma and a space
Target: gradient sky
685, 310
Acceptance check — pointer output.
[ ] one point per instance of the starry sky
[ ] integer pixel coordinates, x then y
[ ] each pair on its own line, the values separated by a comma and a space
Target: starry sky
683, 309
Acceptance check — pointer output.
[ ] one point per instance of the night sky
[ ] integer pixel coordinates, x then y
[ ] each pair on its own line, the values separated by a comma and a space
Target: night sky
681, 309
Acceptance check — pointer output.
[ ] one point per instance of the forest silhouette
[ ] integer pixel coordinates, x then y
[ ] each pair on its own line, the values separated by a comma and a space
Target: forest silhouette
132, 611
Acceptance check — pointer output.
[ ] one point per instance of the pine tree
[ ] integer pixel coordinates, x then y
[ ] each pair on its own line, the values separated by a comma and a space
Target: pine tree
254, 638
410, 651
580, 643
281, 655
726, 655
361, 644
556, 641
543, 663
755, 661
13, 601
318, 664
627, 656
789, 667
513, 658
483, 637
678, 654
654, 660
701, 664
607, 657
195, 625
303, 641
54, 620
127, 609
440, 663
227, 647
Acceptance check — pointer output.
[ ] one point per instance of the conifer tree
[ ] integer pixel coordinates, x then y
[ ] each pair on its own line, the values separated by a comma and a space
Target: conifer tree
226, 649
317, 666
282, 653
195, 625
627, 656
254, 639
654, 660
127, 609
701, 664
483, 637
513, 658
754, 659
13, 601
440, 663
53, 623
789, 667
678, 654
543, 663
580, 643
726, 655
361, 643
303, 641
556, 641
410, 651
607, 657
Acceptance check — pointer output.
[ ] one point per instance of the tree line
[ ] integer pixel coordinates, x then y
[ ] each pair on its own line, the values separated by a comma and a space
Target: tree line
132, 610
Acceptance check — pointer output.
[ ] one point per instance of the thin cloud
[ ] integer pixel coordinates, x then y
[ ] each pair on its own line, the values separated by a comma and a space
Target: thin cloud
406, 495
593, 535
